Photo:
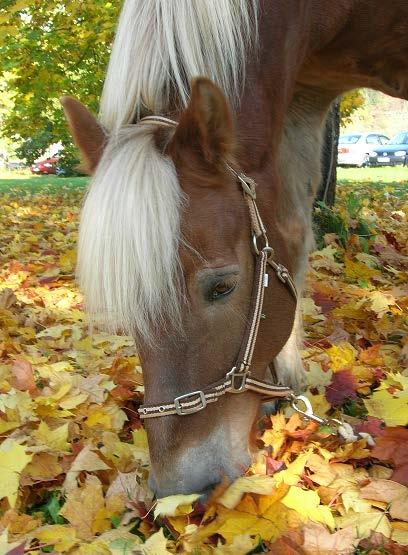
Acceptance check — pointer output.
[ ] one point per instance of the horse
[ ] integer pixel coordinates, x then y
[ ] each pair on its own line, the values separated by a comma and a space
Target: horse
196, 228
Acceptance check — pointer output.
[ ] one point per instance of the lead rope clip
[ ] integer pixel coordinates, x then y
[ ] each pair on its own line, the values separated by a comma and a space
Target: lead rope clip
343, 429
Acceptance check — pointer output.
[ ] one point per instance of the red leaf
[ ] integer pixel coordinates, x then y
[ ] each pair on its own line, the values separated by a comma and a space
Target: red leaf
342, 388
373, 426
273, 466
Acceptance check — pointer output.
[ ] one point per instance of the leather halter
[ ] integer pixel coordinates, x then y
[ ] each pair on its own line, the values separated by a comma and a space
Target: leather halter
238, 379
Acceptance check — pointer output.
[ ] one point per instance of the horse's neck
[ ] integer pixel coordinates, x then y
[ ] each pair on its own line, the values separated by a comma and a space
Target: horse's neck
280, 128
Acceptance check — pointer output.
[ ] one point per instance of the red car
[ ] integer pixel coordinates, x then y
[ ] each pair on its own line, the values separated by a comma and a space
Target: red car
48, 166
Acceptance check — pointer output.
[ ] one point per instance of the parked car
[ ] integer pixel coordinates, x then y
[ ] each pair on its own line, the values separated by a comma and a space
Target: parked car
354, 148
15, 165
48, 166
392, 154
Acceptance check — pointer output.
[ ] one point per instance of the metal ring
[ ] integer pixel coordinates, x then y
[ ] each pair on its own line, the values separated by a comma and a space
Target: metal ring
255, 244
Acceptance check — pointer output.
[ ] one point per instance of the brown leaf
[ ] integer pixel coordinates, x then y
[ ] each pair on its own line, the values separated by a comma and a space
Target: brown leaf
379, 544
82, 507
393, 493
289, 544
319, 541
23, 376
7, 298
392, 446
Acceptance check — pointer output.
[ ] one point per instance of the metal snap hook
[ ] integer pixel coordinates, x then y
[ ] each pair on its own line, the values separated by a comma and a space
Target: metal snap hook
308, 412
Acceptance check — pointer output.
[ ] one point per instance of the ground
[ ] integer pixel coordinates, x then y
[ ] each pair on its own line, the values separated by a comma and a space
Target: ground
73, 454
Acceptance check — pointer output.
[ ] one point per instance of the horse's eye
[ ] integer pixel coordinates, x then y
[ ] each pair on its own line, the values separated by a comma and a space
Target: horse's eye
222, 289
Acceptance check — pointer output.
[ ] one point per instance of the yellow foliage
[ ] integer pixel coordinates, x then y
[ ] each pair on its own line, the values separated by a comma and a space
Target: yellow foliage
13, 459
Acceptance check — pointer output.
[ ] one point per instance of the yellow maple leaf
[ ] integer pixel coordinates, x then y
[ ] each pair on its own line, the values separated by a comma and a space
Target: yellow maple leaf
174, 505
55, 440
264, 485
13, 459
269, 525
275, 436
97, 417
357, 270
291, 475
341, 356
365, 523
62, 538
393, 409
307, 504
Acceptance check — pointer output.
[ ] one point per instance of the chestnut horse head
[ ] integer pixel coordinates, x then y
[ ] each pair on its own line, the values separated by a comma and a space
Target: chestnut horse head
167, 230
165, 250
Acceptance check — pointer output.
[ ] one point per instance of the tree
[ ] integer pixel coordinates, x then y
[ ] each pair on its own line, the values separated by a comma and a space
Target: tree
51, 48
327, 189
350, 102
339, 114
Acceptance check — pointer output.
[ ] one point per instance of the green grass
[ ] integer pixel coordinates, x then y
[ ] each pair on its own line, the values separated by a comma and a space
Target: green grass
381, 175
24, 182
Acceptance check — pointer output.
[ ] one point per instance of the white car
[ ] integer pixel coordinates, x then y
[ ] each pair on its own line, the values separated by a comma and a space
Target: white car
354, 148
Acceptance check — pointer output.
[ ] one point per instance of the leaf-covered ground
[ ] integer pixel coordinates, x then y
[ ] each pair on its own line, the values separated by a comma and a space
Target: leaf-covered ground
73, 455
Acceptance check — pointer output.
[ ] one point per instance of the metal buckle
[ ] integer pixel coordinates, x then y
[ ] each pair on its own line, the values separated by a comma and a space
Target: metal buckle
234, 375
182, 411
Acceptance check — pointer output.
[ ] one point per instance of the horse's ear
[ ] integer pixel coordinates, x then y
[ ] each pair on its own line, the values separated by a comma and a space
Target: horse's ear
206, 124
87, 133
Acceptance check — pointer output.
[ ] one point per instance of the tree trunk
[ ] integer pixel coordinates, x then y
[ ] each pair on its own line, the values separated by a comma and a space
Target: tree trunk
327, 189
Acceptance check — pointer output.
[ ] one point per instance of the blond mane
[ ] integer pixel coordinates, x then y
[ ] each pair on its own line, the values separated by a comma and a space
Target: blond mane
128, 261
161, 45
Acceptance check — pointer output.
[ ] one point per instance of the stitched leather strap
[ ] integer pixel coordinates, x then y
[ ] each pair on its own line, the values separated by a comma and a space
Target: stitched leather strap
239, 378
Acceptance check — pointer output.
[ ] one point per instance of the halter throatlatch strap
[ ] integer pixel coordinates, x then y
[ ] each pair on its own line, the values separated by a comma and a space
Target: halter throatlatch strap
238, 379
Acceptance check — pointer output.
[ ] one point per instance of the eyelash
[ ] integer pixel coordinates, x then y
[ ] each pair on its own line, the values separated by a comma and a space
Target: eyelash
229, 288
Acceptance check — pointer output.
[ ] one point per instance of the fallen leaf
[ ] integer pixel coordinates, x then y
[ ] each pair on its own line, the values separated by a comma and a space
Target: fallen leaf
255, 484
342, 388
307, 504
175, 504
13, 459
62, 538
319, 541
82, 507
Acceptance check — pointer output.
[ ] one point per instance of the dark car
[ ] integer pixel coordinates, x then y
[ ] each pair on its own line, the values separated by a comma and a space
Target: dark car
48, 166
392, 154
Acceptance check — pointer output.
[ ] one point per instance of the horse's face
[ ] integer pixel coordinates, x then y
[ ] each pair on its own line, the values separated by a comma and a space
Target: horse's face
193, 453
